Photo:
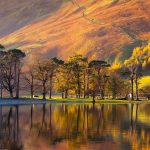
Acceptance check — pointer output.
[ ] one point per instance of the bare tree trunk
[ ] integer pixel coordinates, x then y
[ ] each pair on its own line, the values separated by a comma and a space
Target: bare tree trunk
11, 92
1, 84
32, 86
93, 96
79, 92
50, 93
114, 94
66, 93
18, 82
84, 88
50, 88
132, 88
99, 82
88, 86
44, 91
137, 88
15, 76
62, 95
102, 94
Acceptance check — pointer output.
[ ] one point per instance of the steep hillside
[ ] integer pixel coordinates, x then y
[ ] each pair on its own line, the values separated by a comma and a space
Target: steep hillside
15, 14
97, 28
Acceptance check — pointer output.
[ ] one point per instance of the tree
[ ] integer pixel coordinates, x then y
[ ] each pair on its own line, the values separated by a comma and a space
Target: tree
97, 73
64, 79
135, 63
118, 86
77, 64
2, 54
131, 72
42, 75
30, 83
8, 73
17, 57
54, 64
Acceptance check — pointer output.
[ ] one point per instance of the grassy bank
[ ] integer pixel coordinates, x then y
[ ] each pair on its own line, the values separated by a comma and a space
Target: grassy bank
29, 101
89, 100
100, 101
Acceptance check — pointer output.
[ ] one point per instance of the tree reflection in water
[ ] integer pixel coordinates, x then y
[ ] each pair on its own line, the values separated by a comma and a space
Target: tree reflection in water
9, 129
96, 126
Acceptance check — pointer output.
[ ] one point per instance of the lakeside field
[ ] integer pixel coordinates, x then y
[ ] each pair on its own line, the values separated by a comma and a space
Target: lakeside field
29, 101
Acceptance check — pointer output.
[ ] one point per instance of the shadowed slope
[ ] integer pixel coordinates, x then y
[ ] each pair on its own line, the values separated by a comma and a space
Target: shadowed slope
98, 28
15, 14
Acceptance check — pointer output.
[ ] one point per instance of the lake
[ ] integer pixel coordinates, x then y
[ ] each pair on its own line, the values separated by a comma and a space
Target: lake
75, 126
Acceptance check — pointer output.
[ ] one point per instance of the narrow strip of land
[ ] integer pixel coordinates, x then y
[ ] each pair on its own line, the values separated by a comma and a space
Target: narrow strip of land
27, 101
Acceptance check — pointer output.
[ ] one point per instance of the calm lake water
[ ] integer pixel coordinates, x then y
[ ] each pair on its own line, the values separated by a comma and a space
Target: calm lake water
75, 127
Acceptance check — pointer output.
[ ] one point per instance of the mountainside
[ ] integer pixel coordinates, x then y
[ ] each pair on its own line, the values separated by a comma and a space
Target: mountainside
15, 14
96, 28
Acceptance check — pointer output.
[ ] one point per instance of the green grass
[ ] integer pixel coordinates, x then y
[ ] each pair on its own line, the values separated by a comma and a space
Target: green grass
89, 100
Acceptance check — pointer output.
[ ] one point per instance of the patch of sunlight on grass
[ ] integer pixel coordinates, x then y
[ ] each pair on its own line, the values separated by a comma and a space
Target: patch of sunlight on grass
144, 81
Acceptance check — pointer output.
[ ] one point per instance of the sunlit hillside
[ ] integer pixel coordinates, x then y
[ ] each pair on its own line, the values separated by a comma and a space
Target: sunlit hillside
96, 28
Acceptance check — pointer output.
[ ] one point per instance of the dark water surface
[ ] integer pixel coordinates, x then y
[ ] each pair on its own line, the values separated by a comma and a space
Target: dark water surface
75, 127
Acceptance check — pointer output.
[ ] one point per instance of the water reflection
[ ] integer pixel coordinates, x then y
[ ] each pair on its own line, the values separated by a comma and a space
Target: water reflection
98, 127
9, 129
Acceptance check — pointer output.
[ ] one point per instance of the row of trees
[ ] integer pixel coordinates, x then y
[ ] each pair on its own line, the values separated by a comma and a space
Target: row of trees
139, 59
76, 77
10, 70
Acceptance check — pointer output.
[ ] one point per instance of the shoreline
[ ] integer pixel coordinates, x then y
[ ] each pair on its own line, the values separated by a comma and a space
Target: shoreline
29, 101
